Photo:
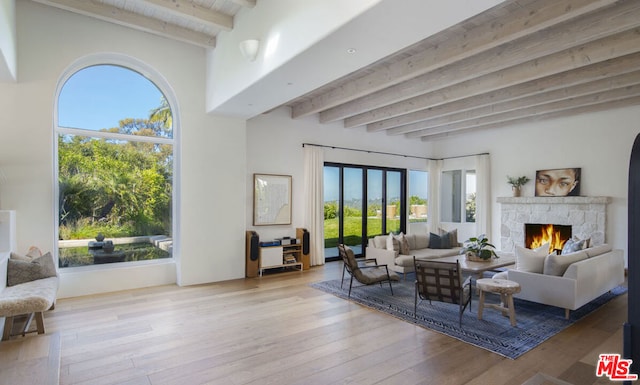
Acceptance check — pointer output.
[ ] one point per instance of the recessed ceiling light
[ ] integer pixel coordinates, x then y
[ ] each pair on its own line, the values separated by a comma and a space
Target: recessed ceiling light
351, 50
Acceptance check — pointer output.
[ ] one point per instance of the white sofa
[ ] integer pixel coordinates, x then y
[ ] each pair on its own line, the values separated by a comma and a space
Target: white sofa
595, 271
403, 263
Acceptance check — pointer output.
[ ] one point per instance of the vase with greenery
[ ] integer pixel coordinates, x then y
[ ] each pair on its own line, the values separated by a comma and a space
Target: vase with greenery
517, 183
478, 249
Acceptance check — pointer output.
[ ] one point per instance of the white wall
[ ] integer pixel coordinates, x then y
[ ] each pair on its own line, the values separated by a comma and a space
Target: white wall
600, 143
212, 151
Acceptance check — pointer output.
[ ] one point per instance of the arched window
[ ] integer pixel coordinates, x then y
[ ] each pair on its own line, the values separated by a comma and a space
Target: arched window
115, 166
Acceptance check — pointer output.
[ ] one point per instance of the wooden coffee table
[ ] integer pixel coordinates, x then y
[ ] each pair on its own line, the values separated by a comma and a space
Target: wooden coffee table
477, 268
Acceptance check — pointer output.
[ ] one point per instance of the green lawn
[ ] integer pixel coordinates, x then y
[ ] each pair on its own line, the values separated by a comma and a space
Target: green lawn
353, 225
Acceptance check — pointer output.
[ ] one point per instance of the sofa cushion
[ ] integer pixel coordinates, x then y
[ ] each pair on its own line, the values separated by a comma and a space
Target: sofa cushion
411, 240
597, 250
439, 242
421, 241
380, 241
407, 260
531, 260
20, 271
558, 264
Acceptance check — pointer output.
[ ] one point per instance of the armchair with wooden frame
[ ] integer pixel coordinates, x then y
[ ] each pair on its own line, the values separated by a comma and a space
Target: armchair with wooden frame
366, 274
442, 282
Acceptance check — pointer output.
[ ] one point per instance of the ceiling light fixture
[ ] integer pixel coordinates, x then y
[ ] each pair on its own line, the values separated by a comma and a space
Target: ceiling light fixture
351, 50
249, 49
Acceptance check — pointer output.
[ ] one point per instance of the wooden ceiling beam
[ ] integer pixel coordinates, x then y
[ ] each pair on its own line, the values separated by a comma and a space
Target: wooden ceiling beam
541, 109
528, 19
191, 11
581, 75
615, 82
607, 105
245, 3
562, 37
622, 44
132, 20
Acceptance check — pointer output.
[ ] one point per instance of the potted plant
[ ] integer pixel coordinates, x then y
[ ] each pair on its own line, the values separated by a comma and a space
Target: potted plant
478, 249
517, 183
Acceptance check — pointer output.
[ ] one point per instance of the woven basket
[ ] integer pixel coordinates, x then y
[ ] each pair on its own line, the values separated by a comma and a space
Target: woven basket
472, 257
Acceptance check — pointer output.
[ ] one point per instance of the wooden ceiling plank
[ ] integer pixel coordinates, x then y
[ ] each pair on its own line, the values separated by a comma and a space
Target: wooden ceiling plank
519, 23
132, 20
622, 44
608, 68
557, 95
634, 101
581, 31
191, 11
245, 3
553, 106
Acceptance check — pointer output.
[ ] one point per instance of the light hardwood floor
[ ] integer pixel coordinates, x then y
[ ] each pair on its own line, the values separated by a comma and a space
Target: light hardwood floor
278, 330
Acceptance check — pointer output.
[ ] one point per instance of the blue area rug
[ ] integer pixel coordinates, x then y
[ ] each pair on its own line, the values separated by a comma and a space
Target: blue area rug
536, 322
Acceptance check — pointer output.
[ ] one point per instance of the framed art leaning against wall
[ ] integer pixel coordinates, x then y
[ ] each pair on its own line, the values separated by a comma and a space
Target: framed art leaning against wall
271, 199
558, 182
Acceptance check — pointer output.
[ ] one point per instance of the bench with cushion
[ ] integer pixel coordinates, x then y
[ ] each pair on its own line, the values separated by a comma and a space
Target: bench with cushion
32, 285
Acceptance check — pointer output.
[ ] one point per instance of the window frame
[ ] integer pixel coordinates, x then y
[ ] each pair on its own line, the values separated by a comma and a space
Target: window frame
146, 71
461, 195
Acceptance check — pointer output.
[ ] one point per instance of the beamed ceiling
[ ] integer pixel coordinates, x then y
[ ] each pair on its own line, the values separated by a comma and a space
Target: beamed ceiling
521, 61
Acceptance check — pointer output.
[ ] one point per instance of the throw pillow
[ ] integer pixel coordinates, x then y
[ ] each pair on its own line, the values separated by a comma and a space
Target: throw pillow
558, 264
20, 271
404, 244
392, 243
19, 257
438, 242
452, 235
380, 241
571, 246
531, 260
34, 252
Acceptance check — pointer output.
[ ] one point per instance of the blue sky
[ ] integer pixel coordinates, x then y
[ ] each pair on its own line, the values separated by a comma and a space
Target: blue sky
100, 96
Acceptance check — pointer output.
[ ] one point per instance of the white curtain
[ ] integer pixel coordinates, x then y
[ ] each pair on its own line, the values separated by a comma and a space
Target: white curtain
483, 195
314, 207
433, 205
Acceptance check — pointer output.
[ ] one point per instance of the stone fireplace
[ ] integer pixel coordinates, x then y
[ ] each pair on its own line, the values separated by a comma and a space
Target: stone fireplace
586, 216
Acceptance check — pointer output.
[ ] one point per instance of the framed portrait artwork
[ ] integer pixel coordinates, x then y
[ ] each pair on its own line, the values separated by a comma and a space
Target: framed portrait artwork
271, 199
558, 182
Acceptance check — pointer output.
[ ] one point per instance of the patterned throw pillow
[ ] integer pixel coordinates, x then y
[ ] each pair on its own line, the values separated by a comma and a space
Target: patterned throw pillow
404, 244
571, 246
21, 271
452, 235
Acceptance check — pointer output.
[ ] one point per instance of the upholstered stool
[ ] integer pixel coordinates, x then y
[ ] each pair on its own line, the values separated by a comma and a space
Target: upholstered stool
506, 289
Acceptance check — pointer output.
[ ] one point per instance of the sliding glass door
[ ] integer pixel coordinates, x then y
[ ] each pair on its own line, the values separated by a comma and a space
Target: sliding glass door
360, 202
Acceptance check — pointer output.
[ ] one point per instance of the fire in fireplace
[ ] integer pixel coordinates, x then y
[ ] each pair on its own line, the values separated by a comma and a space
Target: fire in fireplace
537, 235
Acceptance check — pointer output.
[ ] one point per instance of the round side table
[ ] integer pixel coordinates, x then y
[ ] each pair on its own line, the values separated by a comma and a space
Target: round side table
506, 289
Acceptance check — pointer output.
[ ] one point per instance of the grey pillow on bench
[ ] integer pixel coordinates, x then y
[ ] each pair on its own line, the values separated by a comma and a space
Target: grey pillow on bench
22, 270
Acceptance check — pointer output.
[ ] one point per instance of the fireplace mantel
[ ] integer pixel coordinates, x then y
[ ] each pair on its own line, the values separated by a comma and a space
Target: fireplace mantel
554, 200
586, 216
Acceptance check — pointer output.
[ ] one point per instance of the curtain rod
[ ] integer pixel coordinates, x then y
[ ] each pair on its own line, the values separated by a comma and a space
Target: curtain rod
389, 153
